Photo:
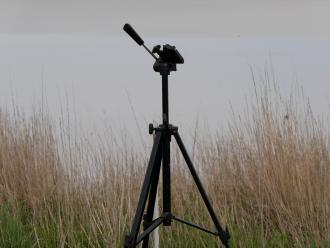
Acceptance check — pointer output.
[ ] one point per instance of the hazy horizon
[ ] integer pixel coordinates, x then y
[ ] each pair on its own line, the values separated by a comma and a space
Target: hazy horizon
78, 49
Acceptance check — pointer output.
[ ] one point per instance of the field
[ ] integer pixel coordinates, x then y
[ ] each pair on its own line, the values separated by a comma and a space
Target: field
268, 177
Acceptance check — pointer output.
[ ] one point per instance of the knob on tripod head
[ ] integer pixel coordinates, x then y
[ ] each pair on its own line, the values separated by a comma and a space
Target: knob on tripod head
169, 54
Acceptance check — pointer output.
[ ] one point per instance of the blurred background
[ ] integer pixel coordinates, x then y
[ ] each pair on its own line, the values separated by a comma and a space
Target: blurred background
73, 56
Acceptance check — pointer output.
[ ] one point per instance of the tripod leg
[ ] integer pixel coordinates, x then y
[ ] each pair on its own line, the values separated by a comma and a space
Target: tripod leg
152, 199
155, 156
224, 235
166, 178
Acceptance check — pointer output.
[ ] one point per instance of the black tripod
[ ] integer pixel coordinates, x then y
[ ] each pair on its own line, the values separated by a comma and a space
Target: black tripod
166, 62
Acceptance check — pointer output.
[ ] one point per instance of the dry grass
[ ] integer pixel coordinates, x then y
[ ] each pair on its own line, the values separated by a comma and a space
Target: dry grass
268, 178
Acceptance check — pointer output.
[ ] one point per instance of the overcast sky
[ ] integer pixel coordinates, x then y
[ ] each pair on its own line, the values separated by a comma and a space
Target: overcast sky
79, 47
196, 18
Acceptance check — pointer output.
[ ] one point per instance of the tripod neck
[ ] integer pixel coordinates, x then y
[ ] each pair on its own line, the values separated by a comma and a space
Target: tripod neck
165, 99
164, 69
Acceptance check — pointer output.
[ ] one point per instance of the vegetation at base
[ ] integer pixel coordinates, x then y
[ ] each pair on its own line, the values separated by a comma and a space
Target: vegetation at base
19, 230
268, 178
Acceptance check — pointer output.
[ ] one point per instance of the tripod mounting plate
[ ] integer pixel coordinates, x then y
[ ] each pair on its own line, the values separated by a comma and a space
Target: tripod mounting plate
169, 54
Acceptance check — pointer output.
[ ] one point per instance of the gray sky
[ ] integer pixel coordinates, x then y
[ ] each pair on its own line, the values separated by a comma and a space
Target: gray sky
78, 48
195, 18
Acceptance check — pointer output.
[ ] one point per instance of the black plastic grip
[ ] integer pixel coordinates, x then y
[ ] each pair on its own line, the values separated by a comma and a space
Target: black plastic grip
131, 32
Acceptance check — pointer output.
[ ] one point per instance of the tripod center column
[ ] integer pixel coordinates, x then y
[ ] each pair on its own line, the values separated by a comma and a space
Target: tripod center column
165, 99
166, 153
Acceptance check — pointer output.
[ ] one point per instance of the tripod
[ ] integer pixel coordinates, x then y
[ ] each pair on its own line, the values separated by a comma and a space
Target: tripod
166, 62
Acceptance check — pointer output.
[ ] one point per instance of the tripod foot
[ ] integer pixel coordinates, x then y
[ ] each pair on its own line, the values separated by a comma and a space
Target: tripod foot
224, 237
128, 243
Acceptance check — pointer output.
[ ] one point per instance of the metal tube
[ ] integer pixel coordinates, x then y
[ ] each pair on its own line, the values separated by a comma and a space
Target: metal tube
166, 177
166, 151
195, 225
152, 227
155, 155
224, 235
148, 50
152, 199
165, 99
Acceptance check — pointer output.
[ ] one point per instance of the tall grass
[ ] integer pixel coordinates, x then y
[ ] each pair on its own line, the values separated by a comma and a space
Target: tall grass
268, 178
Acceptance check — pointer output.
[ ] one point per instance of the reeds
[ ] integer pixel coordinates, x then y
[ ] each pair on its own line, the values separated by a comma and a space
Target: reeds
268, 178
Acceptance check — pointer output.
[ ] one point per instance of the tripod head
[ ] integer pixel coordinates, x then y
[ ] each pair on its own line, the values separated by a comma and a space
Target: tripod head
168, 56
